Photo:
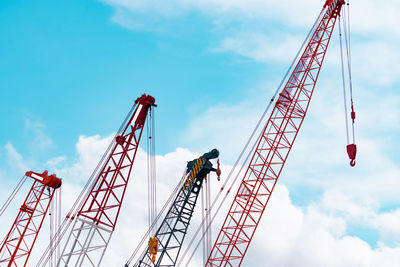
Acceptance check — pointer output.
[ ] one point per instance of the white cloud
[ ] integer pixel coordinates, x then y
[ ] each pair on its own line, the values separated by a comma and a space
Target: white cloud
315, 235
55, 162
380, 18
271, 31
15, 159
366, 16
90, 149
261, 47
223, 9
318, 160
363, 213
290, 236
39, 140
227, 129
388, 225
377, 62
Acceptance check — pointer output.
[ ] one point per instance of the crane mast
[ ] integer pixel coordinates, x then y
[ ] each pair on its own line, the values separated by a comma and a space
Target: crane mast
18, 244
97, 217
273, 146
164, 248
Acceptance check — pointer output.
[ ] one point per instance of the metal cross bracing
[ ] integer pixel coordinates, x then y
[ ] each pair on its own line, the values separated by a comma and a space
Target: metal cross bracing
273, 147
97, 217
173, 229
19, 242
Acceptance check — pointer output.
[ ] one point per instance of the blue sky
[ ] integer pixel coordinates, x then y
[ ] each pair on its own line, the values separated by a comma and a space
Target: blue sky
64, 61
73, 68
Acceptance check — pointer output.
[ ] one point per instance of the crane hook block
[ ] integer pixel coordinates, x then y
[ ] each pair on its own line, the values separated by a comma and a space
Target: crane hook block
218, 171
153, 248
352, 151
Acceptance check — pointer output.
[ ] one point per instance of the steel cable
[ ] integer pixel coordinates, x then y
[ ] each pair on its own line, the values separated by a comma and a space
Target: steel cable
167, 203
343, 83
346, 26
244, 149
12, 195
63, 228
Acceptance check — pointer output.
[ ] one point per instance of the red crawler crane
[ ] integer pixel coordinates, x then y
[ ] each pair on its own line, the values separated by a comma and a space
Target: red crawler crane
97, 215
274, 146
17, 246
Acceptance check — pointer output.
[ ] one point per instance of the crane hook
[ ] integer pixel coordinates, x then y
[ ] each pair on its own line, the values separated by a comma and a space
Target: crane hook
352, 151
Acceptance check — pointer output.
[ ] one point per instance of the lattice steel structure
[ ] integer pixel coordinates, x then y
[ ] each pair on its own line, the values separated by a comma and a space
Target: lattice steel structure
20, 240
173, 229
273, 146
97, 217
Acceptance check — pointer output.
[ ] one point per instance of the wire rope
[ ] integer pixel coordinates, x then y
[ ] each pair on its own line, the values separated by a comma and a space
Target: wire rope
243, 151
347, 36
202, 225
167, 203
343, 82
151, 171
63, 228
12, 195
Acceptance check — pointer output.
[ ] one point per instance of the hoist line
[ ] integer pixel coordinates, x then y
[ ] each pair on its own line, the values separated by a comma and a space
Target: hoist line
54, 223
343, 82
206, 197
149, 214
208, 221
62, 229
167, 203
154, 166
12, 195
151, 171
51, 214
57, 223
157, 218
316, 22
220, 204
73, 211
55, 220
346, 26
59, 220
202, 225
348, 45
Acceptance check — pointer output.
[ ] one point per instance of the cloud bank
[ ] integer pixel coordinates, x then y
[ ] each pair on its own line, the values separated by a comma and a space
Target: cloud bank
313, 235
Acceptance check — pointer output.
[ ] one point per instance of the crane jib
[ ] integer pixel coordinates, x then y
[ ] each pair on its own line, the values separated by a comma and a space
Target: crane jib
274, 146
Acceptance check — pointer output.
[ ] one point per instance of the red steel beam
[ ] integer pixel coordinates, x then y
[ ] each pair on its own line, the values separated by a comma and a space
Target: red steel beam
273, 147
20, 240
